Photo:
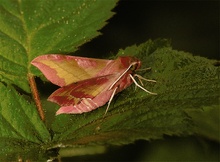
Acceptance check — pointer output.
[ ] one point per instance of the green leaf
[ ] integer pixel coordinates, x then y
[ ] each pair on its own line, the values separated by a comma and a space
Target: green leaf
184, 82
187, 85
20, 124
28, 29
207, 121
36, 27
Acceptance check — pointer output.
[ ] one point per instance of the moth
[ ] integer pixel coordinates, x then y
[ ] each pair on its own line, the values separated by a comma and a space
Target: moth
87, 83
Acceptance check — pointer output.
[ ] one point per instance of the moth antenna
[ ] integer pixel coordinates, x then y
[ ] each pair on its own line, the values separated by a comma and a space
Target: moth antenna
110, 100
138, 85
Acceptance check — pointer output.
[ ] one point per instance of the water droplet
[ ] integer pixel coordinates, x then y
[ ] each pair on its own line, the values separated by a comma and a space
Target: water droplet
97, 128
67, 22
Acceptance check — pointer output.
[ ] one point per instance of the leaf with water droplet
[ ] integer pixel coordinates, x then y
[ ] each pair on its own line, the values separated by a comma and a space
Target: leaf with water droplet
20, 124
32, 28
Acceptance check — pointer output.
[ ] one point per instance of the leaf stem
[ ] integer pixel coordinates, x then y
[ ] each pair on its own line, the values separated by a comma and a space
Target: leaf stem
36, 96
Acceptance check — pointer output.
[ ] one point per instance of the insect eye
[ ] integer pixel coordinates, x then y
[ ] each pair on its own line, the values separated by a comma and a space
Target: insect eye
134, 67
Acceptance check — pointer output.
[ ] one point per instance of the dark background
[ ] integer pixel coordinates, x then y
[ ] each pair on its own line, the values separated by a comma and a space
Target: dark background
192, 26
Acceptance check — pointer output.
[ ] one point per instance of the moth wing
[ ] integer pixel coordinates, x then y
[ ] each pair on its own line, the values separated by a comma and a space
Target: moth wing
63, 70
74, 93
87, 104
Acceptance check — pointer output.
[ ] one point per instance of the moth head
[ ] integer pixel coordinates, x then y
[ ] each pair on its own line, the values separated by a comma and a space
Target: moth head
130, 62
135, 65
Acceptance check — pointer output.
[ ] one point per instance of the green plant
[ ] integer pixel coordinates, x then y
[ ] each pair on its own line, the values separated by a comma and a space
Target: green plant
188, 86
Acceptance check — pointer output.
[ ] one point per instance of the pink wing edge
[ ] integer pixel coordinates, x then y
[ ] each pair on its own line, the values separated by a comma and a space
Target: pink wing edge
75, 93
50, 73
86, 104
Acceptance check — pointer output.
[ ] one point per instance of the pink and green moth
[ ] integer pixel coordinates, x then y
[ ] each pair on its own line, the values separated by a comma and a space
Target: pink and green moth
87, 83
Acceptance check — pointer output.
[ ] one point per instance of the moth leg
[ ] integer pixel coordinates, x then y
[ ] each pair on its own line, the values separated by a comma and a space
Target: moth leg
145, 69
140, 77
138, 85
110, 100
